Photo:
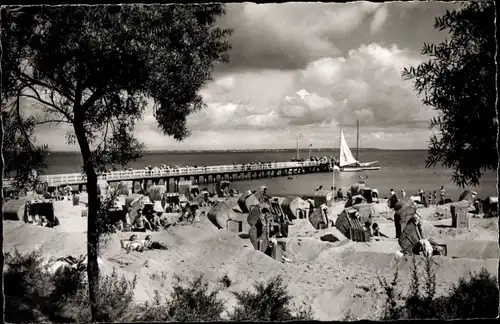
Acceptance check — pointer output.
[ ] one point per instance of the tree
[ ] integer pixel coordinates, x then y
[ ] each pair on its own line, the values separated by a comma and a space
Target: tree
459, 81
95, 67
19, 155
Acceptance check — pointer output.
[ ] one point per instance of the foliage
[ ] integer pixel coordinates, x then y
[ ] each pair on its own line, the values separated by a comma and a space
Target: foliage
20, 155
117, 296
34, 295
270, 302
473, 297
25, 287
194, 303
103, 223
459, 82
95, 67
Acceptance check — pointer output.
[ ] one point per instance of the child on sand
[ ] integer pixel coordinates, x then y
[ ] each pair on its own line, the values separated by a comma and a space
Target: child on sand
376, 231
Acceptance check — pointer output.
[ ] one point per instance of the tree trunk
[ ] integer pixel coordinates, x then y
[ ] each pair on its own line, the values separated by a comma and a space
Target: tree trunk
2, 161
92, 232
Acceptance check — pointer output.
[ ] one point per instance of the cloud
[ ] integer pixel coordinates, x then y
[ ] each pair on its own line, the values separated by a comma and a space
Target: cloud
289, 36
379, 19
311, 68
366, 84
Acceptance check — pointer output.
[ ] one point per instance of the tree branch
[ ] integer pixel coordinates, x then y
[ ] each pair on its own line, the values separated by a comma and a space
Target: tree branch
19, 119
34, 81
39, 99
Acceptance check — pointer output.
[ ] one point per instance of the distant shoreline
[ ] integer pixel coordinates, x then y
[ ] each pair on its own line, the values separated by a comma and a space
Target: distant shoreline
248, 150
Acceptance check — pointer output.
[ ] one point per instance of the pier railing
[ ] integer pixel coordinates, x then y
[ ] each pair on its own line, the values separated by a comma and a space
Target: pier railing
79, 178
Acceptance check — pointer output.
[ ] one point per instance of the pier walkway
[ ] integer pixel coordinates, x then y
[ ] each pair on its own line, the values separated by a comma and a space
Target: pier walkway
213, 173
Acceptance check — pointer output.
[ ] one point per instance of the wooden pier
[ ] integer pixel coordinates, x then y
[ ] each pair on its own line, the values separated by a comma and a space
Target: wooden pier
198, 175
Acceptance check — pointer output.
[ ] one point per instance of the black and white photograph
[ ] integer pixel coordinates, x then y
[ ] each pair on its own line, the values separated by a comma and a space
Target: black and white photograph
253, 161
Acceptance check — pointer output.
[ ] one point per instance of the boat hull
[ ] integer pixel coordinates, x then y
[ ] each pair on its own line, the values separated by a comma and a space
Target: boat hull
359, 169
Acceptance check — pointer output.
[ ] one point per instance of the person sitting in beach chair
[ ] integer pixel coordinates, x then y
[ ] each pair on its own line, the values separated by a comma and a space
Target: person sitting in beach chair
43, 221
153, 245
54, 223
141, 223
423, 247
37, 220
376, 231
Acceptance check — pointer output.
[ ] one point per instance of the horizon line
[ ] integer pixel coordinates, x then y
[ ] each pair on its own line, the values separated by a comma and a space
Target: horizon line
254, 150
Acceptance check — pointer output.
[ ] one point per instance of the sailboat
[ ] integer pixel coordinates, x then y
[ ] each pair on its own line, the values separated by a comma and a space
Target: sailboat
347, 161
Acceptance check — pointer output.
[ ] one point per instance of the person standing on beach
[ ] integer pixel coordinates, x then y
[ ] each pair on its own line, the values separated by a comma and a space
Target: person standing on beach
429, 198
403, 193
442, 194
393, 199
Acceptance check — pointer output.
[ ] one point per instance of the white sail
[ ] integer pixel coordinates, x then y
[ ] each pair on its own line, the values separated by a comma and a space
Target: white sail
346, 157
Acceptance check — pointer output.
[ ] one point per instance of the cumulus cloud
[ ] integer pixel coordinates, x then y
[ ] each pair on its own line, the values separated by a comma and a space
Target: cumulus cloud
289, 36
366, 84
311, 68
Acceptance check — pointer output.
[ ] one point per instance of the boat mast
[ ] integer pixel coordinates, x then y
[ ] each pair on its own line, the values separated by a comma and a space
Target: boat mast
357, 142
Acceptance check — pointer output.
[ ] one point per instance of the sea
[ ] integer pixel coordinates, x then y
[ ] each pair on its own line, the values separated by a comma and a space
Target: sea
399, 169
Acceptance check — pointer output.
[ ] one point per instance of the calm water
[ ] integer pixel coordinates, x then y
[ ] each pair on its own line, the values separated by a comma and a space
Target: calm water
399, 169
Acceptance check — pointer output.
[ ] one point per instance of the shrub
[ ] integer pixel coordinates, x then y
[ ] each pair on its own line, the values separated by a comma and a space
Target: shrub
194, 303
116, 299
474, 297
269, 302
25, 287
34, 295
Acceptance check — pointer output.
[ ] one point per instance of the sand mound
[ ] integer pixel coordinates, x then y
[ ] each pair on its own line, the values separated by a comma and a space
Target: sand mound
53, 242
306, 249
471, 249
331, 277
301, 227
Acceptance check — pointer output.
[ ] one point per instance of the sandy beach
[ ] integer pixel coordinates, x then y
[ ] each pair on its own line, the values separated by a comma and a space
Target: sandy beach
334, 278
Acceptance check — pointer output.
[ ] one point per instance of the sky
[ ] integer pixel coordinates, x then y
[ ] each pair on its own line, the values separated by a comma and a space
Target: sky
308, 69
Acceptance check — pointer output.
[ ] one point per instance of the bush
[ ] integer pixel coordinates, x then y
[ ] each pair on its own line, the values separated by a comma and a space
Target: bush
25, 285
34, 295
194, 303
474, 297
116, 299
269, 302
